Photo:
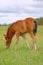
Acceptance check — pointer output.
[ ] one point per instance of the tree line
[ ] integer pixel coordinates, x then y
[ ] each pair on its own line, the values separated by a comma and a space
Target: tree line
39, 21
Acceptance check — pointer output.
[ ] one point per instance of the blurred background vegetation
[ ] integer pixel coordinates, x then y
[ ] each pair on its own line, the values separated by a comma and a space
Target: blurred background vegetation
39, 21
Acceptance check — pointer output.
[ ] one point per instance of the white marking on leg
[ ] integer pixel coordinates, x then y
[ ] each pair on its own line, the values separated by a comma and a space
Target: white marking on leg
35, 46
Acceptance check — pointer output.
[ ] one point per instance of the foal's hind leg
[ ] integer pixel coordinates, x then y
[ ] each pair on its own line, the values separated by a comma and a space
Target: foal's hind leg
26, 41
34, 40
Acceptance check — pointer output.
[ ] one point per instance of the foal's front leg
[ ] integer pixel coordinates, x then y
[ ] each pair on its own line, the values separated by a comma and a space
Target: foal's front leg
26, 41
17, 39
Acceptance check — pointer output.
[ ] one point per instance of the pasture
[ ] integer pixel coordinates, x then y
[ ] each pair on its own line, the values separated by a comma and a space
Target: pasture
21, 56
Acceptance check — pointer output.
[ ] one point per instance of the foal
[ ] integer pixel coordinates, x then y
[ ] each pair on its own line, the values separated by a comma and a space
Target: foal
20, 28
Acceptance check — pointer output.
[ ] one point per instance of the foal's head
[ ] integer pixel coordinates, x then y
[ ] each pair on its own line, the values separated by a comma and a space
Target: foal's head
7, 41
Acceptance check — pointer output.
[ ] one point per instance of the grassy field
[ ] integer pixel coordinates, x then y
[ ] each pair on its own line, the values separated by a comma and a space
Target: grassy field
21, 56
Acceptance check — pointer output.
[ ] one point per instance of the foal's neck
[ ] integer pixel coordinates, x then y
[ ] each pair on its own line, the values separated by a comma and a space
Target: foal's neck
10, 33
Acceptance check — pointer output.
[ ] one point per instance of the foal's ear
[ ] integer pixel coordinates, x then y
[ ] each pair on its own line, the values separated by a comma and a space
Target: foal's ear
5, 36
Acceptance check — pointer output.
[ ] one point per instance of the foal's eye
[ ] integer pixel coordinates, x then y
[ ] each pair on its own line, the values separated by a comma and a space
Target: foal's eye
6, 37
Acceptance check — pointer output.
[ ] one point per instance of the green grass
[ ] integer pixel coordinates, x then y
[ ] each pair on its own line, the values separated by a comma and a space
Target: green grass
21, 56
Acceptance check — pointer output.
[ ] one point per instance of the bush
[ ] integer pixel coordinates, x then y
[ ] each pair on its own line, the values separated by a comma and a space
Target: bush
39, 21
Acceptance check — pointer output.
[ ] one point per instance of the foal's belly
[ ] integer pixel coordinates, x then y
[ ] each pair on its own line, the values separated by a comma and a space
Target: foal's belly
21, 33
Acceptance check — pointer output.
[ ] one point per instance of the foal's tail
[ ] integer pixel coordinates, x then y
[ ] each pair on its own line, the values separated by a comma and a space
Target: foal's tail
35, 29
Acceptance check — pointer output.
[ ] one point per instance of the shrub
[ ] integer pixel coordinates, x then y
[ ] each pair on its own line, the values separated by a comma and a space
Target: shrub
40, 21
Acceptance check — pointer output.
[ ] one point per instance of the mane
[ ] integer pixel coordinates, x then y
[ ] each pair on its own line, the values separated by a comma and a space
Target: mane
10, 28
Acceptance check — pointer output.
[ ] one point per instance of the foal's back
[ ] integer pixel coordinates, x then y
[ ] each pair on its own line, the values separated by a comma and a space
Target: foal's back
24, 25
